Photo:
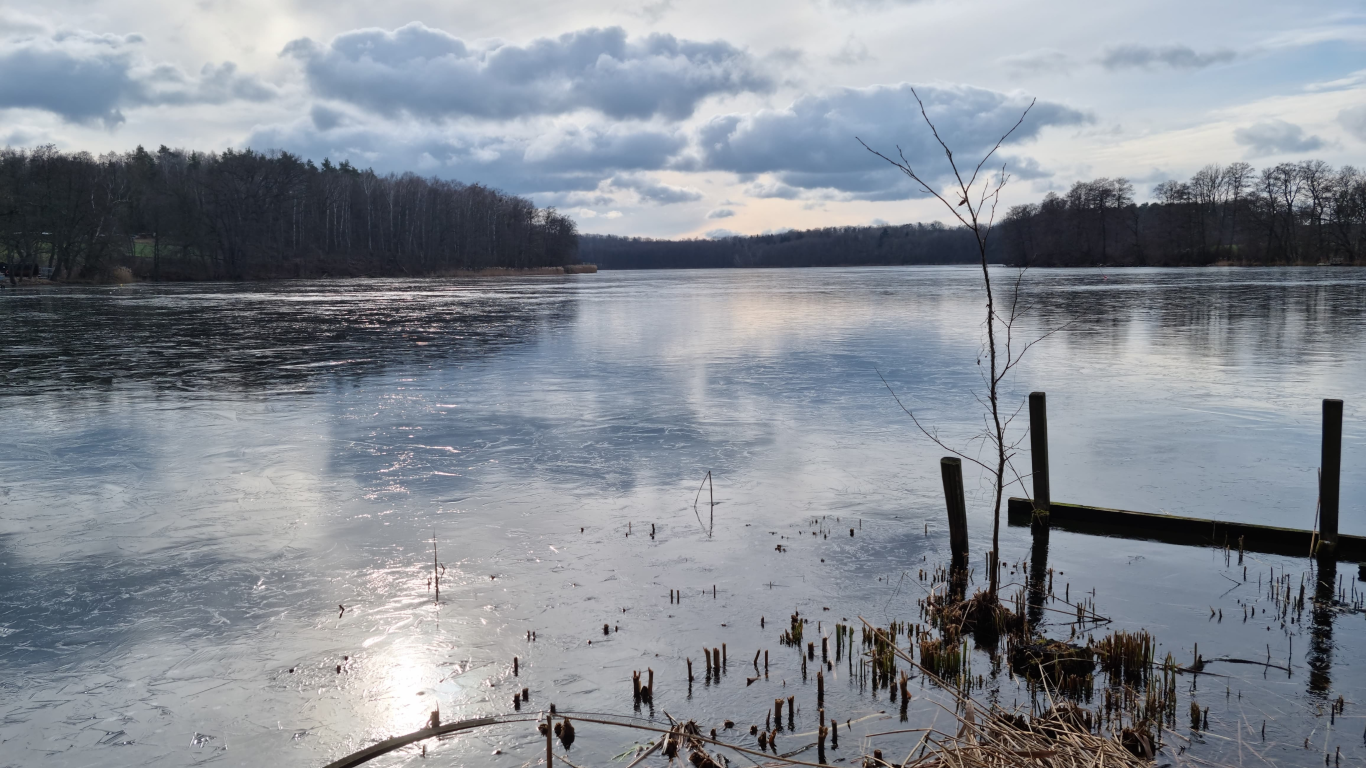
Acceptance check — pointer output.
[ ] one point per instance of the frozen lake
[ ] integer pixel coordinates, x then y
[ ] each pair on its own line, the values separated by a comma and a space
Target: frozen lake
193, 479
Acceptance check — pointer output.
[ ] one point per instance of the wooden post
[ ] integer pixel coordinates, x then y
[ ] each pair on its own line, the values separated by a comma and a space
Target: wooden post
1038, 449
1331, 469
952, 470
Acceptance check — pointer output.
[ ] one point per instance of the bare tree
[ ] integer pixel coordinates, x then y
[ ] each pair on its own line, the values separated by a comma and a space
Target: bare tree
972, 198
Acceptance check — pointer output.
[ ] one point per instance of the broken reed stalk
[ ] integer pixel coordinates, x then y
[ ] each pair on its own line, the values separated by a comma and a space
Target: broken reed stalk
436, 573
993, 742
711, 503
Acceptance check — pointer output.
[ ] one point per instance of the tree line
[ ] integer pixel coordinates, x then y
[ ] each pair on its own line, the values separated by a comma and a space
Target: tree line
828, 247
243, 214
1291, 213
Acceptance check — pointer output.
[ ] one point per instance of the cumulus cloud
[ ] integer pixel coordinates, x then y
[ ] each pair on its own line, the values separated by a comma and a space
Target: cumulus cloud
85, 77
523, 160
1038, 62
1173, 56
852, 52
1354, 120
811, 145
589, 213
873, 5
807, 151
720, 213
656, 192
721, 234
16, 22
430, 73
1276, 137
772, 189
1022, 167
19, 137
654, 10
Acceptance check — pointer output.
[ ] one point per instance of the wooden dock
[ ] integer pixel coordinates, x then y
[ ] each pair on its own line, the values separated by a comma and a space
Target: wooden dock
1189, 531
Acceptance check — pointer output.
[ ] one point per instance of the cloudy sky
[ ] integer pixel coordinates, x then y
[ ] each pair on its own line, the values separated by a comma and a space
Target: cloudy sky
671, 118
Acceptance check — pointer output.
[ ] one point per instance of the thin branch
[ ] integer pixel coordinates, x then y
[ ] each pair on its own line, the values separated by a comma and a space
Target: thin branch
934, 437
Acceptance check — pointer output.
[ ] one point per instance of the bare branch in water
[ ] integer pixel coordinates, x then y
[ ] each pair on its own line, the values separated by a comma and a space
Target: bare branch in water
976, 209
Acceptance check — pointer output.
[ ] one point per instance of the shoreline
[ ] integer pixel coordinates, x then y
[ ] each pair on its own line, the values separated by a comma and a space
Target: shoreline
585, 269
572, 269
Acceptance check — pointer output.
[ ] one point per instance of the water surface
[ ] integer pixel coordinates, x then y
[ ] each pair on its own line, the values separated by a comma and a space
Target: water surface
196, 477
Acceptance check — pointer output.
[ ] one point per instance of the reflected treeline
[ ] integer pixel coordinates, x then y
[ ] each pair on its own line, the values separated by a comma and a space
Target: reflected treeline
1292, 213
243, 215
1293, 312
259, 336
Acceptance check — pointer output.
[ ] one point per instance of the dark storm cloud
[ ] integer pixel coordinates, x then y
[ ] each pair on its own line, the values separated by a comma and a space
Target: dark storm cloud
558, 159
812, 145
430, 73
1276, 137
807, 150
1173, 56
87, 78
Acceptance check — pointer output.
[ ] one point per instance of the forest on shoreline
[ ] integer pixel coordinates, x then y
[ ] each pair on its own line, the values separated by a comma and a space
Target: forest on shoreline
177, 215
1291, 214
1302, 213
902, 245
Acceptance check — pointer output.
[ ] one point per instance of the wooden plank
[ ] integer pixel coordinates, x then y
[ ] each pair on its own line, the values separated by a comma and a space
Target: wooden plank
1188, 531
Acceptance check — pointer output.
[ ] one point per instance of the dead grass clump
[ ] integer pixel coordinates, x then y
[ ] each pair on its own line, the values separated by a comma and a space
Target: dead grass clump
983, 616
946, 659
1058, 739
1066, 668
1139, 740
1127, 658
1063, 719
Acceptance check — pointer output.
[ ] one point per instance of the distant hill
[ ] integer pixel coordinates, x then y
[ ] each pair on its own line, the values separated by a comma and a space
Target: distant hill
829, 247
